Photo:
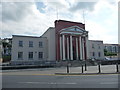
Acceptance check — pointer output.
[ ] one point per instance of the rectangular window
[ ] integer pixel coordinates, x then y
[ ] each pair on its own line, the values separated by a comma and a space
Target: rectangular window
40, 44
30, 43
93, 54
99, 54
99, 47
40, 56
20, 55
20, 43
30, 55
92, 45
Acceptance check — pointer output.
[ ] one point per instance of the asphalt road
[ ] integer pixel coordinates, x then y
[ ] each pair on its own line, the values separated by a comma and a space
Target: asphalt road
60, 81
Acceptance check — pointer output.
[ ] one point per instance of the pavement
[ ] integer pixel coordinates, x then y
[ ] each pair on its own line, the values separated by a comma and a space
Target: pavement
92, 70
59, 78
105, 69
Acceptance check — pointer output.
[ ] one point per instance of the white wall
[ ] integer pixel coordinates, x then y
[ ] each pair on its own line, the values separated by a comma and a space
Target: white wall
50, 34
0, 50
96, 49
25, 49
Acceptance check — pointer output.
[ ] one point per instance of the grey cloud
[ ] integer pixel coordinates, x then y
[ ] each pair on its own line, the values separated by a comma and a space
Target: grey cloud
83, 5
15, 11
7, 33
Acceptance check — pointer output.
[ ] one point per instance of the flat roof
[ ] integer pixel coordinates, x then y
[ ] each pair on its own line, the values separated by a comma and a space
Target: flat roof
110, 44
96, 40
28, 36
68, 21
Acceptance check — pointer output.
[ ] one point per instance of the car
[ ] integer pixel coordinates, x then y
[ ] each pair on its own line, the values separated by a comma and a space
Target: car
106, 58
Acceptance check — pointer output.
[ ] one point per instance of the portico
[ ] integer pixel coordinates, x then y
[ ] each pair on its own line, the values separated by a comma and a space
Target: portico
73, 41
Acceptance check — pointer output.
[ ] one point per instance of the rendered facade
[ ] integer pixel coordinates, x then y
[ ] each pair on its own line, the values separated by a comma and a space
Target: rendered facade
71, 40
28, 49
66, 41
0, 50
96, 49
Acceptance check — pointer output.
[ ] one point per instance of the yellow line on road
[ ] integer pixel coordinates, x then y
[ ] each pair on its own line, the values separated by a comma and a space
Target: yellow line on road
61, 74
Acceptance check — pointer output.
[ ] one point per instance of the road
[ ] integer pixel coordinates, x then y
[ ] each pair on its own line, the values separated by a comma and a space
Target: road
60, 81
45, 78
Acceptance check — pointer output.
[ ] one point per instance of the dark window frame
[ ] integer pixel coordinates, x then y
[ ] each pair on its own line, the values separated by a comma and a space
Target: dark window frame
40, 55
20, 43
30, 55
20, 55
30, 43
40, 44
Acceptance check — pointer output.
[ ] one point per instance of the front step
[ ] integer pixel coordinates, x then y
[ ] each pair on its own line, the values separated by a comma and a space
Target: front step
74, 63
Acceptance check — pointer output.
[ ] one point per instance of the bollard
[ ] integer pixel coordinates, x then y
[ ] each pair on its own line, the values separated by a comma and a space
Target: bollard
82, 68
85, 67
117, 67
67, 69
99, 68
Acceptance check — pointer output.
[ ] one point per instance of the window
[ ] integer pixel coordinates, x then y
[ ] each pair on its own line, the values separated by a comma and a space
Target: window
93, 54
20, 43
30, 55
99, 46
20, 55
30, 43
40, 44
99, 54
40, 56
92, 45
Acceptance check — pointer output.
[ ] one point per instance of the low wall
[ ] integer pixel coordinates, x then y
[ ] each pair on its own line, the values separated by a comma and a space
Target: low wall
110, 62
31, 62
73, 63
23, 67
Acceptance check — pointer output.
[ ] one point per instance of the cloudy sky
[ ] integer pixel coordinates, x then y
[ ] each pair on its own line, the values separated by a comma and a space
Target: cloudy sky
33, 17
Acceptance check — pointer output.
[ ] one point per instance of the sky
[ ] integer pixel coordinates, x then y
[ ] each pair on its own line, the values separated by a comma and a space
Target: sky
34, 17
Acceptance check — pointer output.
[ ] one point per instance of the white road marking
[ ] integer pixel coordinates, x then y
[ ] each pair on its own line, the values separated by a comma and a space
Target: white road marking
46, 83
62, 83
109, 83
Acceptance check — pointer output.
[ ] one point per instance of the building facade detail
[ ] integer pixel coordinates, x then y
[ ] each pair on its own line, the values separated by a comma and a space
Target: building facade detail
96, 49
66, 41
71, 41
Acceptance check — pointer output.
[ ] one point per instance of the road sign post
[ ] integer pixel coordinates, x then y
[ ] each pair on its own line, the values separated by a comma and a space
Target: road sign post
67, 69
85, 66
117, 70
99, 68
82, 69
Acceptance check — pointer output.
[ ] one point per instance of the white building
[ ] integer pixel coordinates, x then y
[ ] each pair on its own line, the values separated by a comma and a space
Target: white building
28, 49
50, 35
96, 49
66, 41
0, 50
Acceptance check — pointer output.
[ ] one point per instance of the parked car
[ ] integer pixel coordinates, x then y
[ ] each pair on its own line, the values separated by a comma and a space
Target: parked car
106, 58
